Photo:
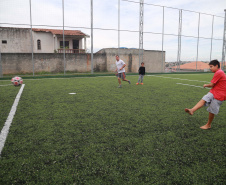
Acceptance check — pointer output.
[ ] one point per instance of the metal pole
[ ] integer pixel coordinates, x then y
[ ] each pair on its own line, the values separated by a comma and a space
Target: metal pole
198, 43
91, 36
163, 38
179, 40
118, 27
1, 75
211, 40
63, 36
224, 43
141, 32
32, 49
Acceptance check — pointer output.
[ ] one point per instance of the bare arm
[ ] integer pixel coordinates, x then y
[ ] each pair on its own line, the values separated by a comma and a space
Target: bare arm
208, 85
123, 66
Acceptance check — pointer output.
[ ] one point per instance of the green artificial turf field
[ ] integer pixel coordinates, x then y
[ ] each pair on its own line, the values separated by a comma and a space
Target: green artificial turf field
137, 134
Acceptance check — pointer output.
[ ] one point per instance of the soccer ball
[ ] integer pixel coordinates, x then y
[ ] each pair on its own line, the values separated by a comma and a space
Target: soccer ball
17, 81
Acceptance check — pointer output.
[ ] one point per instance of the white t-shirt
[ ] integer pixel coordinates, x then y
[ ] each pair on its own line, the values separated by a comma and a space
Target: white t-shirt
119, 65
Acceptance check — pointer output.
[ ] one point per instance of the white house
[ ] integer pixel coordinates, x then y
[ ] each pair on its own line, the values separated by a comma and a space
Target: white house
18, 40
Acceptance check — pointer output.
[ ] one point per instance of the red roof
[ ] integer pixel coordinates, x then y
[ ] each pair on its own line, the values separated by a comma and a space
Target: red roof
60, 32
192, 66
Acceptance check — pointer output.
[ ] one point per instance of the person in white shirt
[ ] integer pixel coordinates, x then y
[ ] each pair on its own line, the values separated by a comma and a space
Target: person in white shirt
121, 72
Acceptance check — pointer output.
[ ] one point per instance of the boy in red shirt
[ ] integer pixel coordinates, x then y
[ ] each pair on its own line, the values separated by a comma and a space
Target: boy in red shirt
215, 97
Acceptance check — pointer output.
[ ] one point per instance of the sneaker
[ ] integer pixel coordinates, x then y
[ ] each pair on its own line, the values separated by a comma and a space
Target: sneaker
141, 83
119, 86
129, 81
137, 83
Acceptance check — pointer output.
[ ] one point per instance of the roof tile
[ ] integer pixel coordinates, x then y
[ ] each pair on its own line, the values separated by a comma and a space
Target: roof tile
60, 32
192, 66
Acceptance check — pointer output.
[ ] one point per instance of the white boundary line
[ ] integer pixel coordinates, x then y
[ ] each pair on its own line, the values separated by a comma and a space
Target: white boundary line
184, 80
179, 79
5, 129
193, 85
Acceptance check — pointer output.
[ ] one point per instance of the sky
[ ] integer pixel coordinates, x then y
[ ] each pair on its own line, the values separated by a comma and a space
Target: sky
203, 18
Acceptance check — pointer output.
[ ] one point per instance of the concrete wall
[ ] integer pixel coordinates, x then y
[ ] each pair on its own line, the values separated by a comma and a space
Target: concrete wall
104, 60
16, 63
18, 40
152, 59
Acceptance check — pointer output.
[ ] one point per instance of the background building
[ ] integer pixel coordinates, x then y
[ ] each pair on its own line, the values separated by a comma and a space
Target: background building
18, 40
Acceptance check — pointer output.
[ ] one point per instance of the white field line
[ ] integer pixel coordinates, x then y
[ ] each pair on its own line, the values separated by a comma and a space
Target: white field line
184, 80
192, 85
179, 79
5, 129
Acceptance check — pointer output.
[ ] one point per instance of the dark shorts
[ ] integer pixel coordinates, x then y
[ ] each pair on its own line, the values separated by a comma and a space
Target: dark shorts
122, 75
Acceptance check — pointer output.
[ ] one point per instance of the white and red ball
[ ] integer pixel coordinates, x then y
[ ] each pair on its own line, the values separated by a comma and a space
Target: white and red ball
17, 81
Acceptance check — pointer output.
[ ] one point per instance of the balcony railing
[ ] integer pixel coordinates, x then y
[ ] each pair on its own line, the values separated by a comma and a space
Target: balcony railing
72, 51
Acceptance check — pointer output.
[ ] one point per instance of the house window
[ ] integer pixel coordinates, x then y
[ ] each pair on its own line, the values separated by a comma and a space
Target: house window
66, 44
39, 44
4, 41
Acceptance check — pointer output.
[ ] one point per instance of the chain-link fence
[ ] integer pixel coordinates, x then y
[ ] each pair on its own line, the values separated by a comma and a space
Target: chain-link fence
64, 36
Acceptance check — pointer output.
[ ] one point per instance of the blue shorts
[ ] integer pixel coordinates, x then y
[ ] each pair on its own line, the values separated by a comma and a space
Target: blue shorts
212, 104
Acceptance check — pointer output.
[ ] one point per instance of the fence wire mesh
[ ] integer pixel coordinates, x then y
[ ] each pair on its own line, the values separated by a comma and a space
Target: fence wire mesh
183, 35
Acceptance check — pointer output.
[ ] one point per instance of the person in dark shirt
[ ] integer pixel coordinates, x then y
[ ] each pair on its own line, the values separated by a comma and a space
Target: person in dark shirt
141, 74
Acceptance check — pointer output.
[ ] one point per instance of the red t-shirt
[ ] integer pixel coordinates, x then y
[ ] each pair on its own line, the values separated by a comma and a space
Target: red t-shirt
219, 89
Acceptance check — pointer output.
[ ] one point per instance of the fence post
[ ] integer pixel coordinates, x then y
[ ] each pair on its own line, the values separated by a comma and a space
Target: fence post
63, 36
179, 39
91, 1
163, 67
141, 32
118, 27
224, 43
32, 49
198, 43
211, 46
1, 75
